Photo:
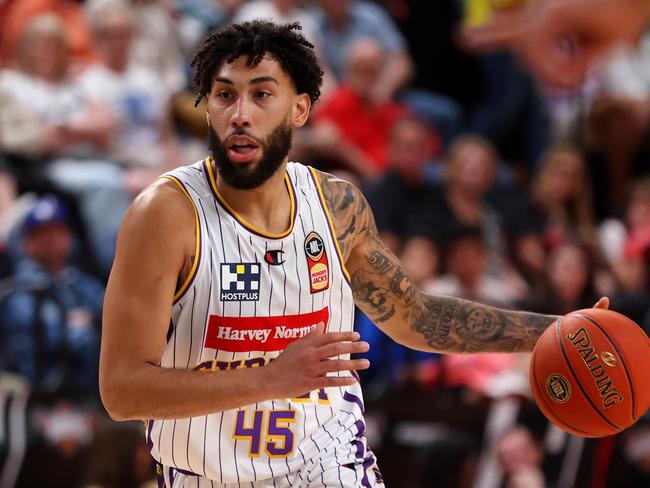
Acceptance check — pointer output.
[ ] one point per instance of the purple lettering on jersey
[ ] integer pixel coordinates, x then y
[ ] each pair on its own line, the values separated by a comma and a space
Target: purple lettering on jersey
252, 433
279, 435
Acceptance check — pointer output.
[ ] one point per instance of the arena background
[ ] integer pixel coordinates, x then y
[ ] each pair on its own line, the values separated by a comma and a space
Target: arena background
486, 183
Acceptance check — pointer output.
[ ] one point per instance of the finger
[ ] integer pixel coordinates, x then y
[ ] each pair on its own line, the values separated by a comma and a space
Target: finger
318, 330
334, 365
330, 337
334, 381
338, 348
602, 303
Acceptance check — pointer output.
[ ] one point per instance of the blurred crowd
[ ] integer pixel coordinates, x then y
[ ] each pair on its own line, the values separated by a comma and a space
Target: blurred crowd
486, 184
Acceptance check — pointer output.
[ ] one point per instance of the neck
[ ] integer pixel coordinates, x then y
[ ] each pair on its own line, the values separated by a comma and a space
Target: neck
267, 207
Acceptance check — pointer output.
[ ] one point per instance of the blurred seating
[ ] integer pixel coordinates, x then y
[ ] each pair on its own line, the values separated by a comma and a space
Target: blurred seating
547, 211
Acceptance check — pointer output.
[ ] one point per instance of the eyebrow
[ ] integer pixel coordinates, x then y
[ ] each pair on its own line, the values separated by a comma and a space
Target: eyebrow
254, 81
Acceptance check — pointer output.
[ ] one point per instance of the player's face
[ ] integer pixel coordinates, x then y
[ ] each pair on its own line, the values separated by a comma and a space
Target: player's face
252, 111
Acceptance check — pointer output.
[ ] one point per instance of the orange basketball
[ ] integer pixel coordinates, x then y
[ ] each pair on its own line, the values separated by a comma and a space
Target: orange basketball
590, 372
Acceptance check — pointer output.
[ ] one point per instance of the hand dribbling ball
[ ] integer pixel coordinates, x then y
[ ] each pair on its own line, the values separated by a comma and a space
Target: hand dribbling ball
590, 372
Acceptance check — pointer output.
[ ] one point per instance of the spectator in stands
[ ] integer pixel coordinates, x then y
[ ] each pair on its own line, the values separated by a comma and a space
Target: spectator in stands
156, 44
520, 456
139, 104
403, 199
626, 247
421, 259
63, 135
50, 316
630, 267
41, 98
342, 22
510, 111
467, 276
619, 117
569, 283
361, 124
471, 165
562, 196
70, 12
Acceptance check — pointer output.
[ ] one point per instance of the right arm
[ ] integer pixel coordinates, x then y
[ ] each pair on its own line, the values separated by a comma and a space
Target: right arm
154, 246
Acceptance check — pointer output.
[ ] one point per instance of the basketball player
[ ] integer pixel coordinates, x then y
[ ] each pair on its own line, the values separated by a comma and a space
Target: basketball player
229, 310
561, 40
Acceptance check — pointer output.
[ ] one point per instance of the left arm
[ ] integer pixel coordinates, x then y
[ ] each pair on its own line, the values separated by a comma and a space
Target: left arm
384, 292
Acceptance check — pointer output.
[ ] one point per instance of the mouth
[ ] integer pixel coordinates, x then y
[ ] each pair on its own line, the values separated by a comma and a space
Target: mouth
242, 149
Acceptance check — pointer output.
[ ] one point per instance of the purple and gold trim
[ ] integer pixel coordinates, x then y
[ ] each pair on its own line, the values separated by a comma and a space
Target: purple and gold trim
212, 182
323, 204
180, 292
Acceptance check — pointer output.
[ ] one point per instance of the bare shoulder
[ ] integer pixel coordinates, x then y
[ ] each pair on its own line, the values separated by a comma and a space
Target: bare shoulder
160, 201
161, 207
159, 226
351, 214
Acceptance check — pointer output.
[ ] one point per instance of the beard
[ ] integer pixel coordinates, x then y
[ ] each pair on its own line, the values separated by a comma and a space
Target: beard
246, 176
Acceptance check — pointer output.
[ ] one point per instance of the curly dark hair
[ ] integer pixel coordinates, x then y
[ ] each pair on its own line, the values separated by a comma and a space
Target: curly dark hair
255, 39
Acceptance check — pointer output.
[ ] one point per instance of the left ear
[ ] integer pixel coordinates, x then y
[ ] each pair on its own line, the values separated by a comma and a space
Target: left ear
301, 109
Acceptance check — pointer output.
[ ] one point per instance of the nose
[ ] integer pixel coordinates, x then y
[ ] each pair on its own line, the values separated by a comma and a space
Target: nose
241, 117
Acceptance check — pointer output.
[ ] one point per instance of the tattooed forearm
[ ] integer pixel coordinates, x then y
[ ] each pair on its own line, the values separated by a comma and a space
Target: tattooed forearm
435, 323
383, 290
452, 325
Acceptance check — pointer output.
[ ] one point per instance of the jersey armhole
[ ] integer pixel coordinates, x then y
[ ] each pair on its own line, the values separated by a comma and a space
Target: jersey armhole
180, 291
330, 222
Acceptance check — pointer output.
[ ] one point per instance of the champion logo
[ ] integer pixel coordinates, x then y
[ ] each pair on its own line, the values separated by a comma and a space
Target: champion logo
275, 257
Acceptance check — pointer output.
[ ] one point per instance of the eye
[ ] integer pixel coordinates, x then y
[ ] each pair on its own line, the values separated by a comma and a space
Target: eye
224, 95
262, 94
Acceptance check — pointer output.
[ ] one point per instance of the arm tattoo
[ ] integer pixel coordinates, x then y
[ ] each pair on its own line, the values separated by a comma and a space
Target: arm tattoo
385, 293
379, 262
453, 325
349, 211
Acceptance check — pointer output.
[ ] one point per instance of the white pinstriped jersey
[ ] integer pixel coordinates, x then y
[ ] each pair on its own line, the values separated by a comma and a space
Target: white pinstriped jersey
250, 294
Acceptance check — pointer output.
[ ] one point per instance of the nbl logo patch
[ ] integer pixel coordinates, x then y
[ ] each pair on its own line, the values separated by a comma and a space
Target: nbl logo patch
240, 282
314, 246
317, 263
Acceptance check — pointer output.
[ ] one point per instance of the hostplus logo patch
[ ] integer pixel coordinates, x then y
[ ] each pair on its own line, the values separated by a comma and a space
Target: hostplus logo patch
240, 282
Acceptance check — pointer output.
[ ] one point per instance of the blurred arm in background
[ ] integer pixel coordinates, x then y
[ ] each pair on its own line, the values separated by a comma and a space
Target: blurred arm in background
561, 40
